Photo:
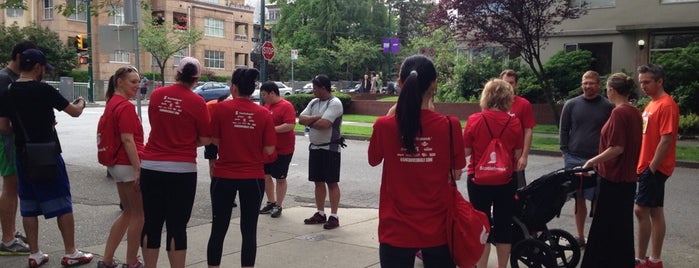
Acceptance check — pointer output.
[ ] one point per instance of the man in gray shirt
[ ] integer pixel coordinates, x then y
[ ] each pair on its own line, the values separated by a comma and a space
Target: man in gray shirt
324, 117
13, 243
581, 122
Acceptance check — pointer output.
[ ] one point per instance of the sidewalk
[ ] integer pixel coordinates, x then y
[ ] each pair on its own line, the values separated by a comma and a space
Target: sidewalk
283, 242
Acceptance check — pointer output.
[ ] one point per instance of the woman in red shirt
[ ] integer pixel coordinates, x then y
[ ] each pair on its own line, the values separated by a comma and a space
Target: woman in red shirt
123, 85
414, 146
496, 100
179, 124
244, 133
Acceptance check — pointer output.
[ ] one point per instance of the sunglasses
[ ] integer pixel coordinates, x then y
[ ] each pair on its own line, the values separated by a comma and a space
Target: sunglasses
126, 69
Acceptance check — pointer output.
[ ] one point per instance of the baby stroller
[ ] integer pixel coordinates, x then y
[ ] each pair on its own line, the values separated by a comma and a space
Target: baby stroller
540, 201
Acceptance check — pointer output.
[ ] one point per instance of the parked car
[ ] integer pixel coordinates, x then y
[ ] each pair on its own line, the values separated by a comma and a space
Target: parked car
351, 89
212, 90
284, 90
307, 89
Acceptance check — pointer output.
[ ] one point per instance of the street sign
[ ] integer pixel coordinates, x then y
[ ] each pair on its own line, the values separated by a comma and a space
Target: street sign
294, 54
268, 50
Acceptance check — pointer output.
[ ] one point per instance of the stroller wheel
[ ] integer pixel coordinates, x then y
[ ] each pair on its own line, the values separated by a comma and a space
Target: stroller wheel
532, 253
564, 246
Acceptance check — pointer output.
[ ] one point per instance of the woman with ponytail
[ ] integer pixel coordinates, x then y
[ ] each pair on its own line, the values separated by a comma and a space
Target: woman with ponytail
244, 133
417, 151
179, 124
610, 240
123, 85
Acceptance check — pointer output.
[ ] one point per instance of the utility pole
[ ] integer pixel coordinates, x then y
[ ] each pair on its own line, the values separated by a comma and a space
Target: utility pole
263, 62
90, 88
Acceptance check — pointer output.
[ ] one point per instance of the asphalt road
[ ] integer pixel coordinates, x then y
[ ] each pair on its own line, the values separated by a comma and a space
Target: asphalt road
96, 202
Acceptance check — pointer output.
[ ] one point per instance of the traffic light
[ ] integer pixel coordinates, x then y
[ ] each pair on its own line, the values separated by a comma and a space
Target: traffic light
83, 59
81, 42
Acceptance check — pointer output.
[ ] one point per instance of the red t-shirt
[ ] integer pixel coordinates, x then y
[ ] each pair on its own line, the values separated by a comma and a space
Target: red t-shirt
283, 112
477, 137
522, 109
661, 117
178, 117
243, 129
623, 128
126, 122
415, 189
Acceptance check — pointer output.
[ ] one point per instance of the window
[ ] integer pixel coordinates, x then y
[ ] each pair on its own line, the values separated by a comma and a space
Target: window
241, 32
241, 59
48, 9
15, 12
118, 17
594, 3
214, 59
213, 27
79, 10
179, 55
664, 42
179, 21
677, 1
120, 56
211, 1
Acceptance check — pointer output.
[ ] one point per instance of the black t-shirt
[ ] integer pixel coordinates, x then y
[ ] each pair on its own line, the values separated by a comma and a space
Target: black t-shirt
34, 102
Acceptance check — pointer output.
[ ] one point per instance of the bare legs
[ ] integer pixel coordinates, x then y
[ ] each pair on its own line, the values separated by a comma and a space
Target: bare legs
651, 228
130, 220
8, 207
320, 193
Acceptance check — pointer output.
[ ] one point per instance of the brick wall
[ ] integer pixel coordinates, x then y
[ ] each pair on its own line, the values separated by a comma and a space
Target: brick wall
542, 112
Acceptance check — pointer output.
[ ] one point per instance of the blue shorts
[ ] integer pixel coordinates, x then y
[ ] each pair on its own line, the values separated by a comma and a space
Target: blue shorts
49, 198
651, 189
7, 155
571, 161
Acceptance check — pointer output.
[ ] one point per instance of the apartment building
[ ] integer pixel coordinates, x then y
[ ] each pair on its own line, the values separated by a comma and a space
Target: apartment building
622, 34
227, 26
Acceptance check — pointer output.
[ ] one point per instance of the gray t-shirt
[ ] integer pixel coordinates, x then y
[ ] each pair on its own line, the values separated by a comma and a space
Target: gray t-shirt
331, 110
581, 123
7, 76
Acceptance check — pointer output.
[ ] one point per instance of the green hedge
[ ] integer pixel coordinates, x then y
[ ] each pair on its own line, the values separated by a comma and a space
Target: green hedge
689, 124
300, 101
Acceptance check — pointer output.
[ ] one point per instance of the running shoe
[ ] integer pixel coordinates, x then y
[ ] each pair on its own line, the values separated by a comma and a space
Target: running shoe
21, 236
16, 247
38, 260
102, 264
268, 208
138, 264
316, 219
333, 222
276, 211
78, 257
651, 264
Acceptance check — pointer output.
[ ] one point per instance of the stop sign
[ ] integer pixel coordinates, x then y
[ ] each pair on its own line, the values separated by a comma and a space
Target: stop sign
268, 50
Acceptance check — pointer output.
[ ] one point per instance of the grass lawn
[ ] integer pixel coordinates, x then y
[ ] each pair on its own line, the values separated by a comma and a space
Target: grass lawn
690, 153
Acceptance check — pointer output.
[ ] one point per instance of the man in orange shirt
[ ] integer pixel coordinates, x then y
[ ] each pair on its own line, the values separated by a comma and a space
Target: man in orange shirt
656, 163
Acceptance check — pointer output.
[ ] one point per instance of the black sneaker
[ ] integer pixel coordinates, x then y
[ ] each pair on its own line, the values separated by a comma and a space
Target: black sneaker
333, 222
268, 208
276, 211
316, 219
21, 236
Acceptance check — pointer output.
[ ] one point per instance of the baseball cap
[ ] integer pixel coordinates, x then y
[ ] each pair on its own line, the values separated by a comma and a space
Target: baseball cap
323, 81
33, 56
189, 60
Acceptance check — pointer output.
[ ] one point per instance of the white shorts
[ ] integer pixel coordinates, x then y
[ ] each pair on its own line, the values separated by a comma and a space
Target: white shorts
122, 173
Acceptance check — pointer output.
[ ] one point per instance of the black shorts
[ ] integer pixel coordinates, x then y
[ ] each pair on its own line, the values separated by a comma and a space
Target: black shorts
280, 167
211, 151
323, 166
651, 189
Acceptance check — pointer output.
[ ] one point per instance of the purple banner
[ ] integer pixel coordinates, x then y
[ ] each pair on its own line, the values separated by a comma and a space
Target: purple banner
395, 45
386, 45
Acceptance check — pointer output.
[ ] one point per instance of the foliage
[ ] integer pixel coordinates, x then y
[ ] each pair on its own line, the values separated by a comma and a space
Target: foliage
300, 101
689, 124
566, 69
60, 55
79, 76
410, 16
681, 66
520, 26
353, 54
473, 74
162, 41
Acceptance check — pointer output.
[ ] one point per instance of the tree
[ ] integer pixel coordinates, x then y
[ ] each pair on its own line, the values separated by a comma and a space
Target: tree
60, 55
680, 66
353, 54
520, 26
411, 16
163, 41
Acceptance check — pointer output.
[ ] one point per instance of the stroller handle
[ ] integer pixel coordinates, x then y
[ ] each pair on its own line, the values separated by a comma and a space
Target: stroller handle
578, 169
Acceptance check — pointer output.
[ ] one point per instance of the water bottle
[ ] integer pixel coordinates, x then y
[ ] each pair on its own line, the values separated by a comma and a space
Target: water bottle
306, 131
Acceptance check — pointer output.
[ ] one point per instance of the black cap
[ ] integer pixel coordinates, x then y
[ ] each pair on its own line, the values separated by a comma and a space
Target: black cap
33, 56
323, 81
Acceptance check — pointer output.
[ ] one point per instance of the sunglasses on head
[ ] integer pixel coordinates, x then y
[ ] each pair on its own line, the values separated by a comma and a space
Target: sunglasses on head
126, 69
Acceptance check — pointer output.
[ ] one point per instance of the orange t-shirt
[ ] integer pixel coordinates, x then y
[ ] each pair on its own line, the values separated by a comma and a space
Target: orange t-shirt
661, 117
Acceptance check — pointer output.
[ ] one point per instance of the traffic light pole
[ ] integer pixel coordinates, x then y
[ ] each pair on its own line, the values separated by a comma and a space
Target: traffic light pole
90, 88
263, 61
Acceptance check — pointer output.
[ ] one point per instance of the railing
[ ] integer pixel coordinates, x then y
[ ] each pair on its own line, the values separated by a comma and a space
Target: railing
79, 88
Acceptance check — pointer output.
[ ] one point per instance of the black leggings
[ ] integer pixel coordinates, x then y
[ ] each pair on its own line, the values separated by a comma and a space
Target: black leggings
396, 257
167, 198
223, 192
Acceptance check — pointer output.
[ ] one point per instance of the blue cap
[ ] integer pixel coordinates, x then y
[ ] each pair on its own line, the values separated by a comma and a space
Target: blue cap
33, 56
